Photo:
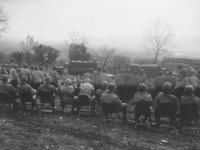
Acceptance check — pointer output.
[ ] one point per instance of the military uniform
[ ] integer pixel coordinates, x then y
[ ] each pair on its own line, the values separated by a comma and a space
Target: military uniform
110, 97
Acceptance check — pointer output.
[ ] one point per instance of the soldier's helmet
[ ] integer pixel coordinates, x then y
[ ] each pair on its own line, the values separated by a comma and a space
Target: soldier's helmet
111, 87
142, 87
104, 84
188, 89
167, 86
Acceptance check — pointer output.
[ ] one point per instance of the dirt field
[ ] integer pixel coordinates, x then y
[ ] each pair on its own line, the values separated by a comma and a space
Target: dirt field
36, 131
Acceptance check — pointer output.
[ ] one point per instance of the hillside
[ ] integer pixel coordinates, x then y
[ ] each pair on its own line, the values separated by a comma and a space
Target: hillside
127, 45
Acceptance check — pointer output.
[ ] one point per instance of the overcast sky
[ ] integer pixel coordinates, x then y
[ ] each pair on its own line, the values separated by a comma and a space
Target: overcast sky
54, 19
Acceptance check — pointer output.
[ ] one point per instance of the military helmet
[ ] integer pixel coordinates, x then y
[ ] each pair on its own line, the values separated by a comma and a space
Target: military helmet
167, 86
188, 89
5, 78
87, 80
142, 87
68, 81
32, 67
111, 87
104, 84
23, 79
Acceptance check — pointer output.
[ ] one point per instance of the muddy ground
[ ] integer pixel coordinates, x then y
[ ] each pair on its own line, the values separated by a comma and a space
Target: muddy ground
40, 131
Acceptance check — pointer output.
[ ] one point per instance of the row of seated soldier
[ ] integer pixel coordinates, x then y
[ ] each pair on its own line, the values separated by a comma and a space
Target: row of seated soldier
106, 93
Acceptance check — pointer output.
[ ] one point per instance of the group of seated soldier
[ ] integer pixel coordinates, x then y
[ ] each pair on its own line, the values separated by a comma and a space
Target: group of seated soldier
24, 88
106, 94
165, 97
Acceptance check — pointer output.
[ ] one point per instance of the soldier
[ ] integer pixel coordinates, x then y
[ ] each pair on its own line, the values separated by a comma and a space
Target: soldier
120, 81
47, 87
8, 89
104, 75
8, 68
103, 89
189, 97
179, 88
31, 71
142, 77
171, 79
110, 97
128, 85
192, 80
25, 72
37, 78
87, 89
54, 76
88, 74
97, 78
3, 70
165, 97
69, 89
14, 79
141, 95
25, 88
159, 81
41, 70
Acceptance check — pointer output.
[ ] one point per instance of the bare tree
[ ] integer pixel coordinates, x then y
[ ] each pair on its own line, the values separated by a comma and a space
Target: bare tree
158, 39
121, 61
2, 57
28, 46
75, 46
74, 38
103, 54
3, 21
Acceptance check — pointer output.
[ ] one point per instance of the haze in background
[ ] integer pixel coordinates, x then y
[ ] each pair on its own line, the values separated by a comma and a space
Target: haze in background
117, 23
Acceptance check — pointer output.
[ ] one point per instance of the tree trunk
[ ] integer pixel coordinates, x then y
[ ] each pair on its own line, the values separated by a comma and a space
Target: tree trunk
27, 58
105, 62
155, 59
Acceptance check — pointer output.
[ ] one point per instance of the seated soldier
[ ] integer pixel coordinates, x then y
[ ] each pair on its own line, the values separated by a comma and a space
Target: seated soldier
110, 97
8, 89
165, 97
189, 97
23, 87
103, 89
47, 87
87, 89
141, 95
67, 88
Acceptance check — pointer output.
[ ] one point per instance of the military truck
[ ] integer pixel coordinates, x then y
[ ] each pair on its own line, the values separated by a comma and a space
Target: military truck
77, 67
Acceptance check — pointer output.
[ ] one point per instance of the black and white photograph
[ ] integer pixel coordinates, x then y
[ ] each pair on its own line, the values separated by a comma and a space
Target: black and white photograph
99, 74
